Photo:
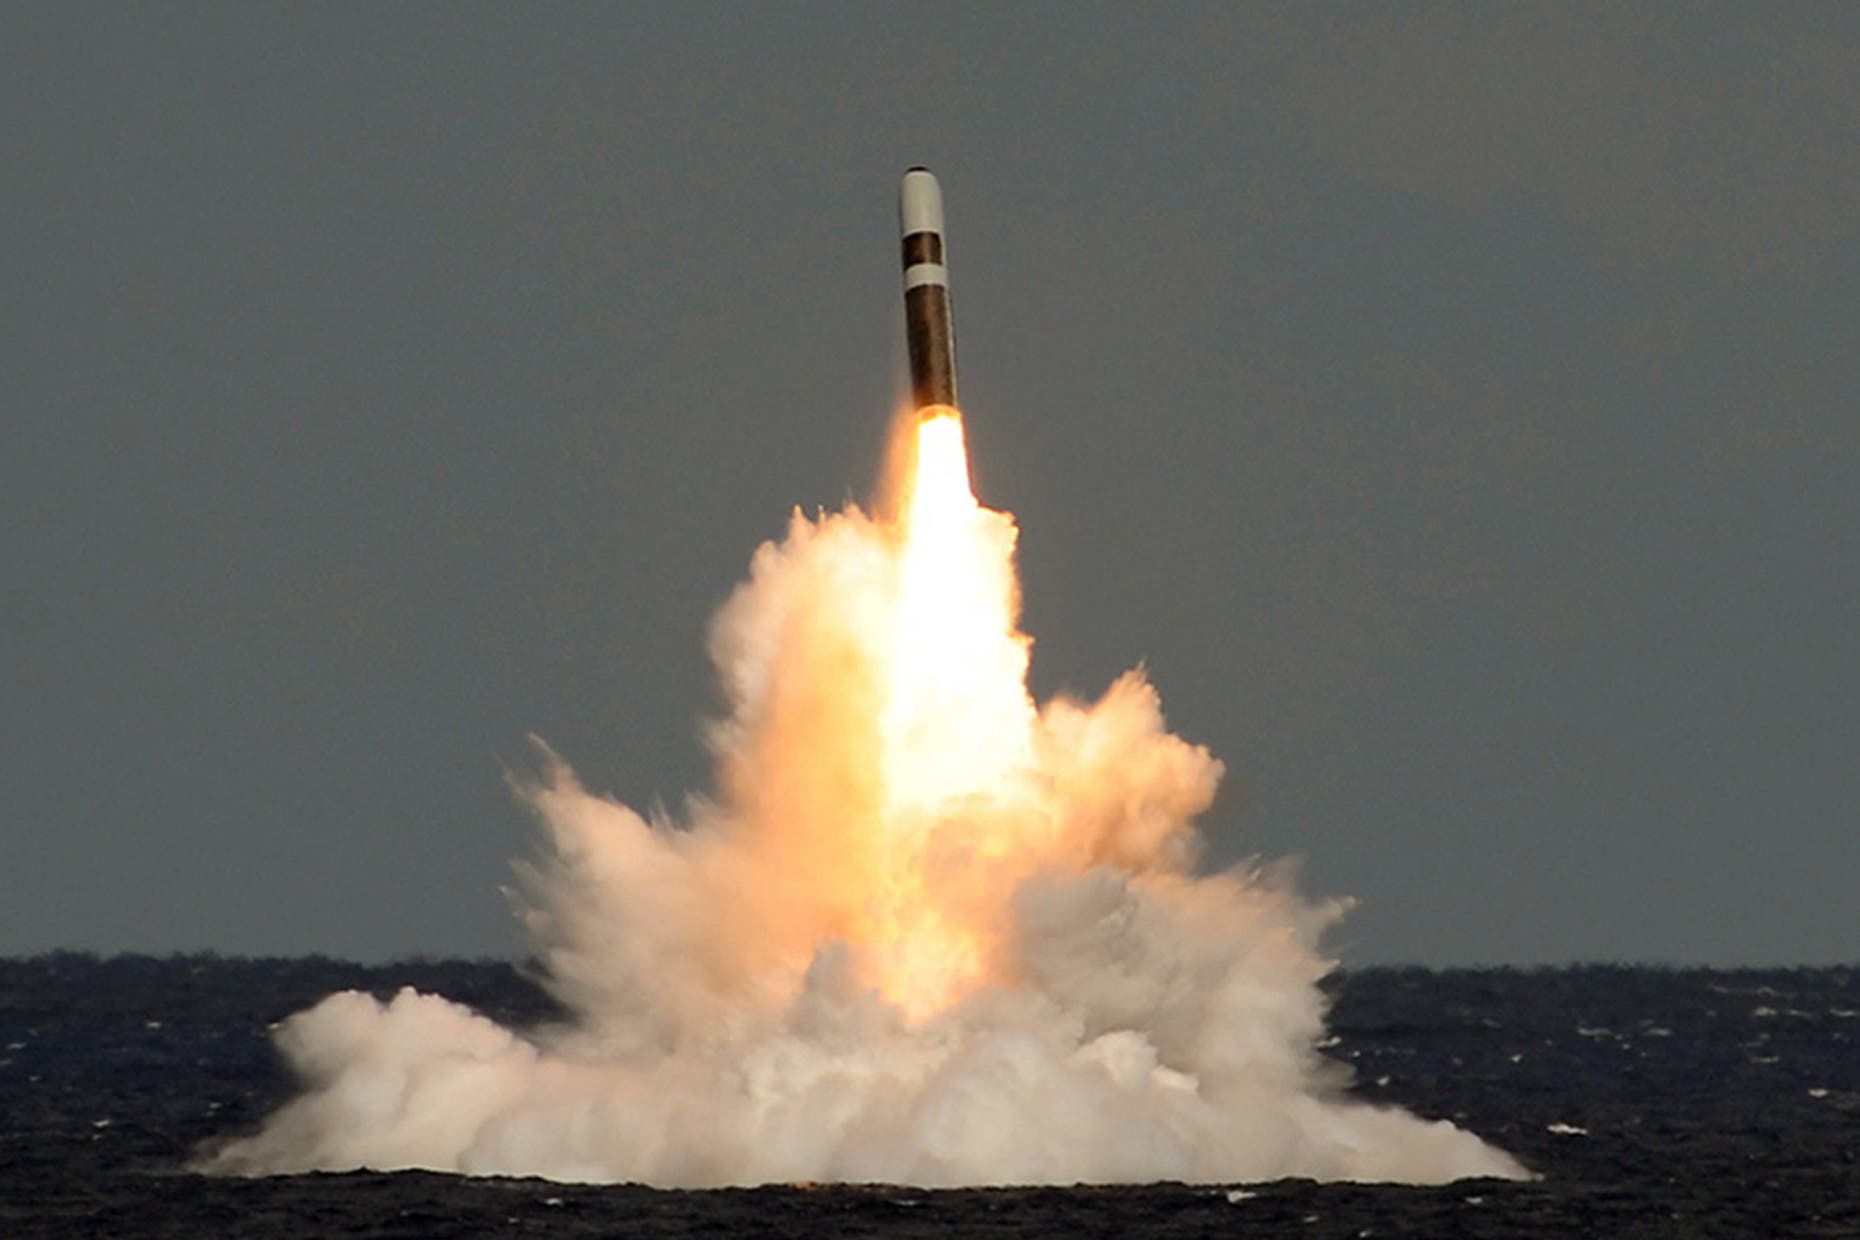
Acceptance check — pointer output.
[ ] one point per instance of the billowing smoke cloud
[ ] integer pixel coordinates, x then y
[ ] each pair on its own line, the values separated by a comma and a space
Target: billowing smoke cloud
924, 933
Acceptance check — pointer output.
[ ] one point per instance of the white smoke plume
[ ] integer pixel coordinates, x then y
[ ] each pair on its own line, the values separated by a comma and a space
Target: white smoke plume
922, 933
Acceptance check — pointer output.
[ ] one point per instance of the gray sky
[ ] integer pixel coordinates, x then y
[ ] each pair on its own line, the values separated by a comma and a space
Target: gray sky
1453, 405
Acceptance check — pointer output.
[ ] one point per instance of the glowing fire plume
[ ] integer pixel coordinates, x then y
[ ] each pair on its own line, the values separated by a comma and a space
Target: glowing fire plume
955, 724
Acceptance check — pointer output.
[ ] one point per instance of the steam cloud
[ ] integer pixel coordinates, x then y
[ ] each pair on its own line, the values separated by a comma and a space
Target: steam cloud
1019, 980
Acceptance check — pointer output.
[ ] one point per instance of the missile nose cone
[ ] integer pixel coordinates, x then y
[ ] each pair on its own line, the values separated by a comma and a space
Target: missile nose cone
920, 203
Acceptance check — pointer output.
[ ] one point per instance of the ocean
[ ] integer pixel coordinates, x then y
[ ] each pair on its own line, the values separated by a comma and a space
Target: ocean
1650, 1102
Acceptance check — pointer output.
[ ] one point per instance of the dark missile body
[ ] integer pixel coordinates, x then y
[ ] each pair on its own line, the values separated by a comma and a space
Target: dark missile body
929, 331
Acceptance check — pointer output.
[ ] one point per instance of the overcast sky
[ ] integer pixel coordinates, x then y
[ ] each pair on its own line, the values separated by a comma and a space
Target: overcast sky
1454, 406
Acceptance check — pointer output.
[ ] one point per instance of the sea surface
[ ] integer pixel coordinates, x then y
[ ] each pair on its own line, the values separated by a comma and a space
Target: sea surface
1651, 1102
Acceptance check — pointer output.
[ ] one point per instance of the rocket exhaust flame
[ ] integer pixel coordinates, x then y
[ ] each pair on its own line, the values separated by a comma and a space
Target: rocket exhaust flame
955, 722
924, 932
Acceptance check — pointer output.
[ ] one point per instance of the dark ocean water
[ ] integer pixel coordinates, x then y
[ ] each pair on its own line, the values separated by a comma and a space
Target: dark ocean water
1651, 1102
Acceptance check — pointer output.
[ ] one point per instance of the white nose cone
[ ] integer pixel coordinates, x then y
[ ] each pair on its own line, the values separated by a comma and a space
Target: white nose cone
920, 203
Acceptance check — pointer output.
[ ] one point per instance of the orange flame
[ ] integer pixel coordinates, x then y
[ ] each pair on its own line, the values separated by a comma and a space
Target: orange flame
955, 729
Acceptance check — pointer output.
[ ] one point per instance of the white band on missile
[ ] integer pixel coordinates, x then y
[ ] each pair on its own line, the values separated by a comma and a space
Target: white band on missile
920, 203
925, 273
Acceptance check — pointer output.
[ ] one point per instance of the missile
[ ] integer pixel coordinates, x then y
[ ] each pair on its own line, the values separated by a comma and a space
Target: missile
929, 332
